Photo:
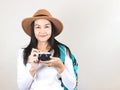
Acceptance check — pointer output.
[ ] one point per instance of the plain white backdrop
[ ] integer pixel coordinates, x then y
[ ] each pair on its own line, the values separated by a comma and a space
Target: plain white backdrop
91, 30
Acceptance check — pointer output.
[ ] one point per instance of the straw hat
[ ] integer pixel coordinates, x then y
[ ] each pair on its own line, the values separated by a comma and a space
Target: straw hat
41, 14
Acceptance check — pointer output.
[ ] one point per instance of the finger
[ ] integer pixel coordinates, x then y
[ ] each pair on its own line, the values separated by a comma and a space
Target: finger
47, 64
36, 62
44, 64
33, 60
34, 54
52, 57
34, 50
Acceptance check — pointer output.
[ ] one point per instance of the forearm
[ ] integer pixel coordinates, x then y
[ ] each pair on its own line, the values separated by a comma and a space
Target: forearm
68, 80
32, 72
24, 79
24, 84
68, 77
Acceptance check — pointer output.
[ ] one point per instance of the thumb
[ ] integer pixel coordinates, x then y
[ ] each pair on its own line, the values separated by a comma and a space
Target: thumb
52, 57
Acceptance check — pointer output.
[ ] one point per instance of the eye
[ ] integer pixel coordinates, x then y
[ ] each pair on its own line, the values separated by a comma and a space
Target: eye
47, 26
37, 26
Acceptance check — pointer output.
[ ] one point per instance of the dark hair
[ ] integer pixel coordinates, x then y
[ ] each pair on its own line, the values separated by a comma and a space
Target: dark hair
33, 44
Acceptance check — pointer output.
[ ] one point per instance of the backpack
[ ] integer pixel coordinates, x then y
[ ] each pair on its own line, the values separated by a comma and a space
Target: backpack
74, 62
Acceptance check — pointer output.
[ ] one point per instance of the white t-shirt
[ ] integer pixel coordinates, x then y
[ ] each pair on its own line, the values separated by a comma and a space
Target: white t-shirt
46, 78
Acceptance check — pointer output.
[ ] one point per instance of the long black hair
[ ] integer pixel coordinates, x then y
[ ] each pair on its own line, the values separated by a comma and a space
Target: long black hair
52, 42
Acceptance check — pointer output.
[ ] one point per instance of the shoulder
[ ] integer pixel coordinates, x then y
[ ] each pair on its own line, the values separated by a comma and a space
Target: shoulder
63, 46
20, 56
20, 52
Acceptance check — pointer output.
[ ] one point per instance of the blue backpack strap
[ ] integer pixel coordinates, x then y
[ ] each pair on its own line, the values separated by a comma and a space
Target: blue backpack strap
62, 57
75, 64
62, 52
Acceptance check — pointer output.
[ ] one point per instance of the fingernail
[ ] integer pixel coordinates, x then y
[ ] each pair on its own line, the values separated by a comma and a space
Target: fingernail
34, 55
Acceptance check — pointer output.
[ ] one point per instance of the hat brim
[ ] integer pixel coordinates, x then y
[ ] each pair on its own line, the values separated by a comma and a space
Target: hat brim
26, 24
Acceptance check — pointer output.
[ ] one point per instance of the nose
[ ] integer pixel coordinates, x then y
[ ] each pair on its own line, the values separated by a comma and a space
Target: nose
42, 30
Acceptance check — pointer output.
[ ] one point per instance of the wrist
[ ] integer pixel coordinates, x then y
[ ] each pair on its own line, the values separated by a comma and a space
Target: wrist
60, 70
32, 72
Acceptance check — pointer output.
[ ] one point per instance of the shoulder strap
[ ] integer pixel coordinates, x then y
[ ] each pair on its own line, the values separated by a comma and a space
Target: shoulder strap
62, 52
75, 65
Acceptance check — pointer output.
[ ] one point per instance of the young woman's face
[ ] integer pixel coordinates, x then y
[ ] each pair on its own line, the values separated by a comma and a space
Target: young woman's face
42, 30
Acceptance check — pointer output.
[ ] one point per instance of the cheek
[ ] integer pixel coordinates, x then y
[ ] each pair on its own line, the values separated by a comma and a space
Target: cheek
49, 32
35, 32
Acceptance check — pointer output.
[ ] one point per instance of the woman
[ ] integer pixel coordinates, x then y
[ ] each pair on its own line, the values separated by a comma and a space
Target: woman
34, 73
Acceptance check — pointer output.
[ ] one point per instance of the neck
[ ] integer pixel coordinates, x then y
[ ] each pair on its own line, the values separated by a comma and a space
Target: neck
43, 46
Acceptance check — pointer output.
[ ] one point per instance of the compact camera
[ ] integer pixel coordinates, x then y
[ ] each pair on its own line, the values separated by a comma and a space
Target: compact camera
44, 56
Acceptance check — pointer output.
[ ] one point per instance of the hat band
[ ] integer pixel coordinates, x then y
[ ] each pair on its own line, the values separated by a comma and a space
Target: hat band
40, 15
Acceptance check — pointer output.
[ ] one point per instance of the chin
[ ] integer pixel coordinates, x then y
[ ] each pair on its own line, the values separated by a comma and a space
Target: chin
44, 40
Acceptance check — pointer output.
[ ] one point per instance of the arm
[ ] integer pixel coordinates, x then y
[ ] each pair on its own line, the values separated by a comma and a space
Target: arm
68, 76
65, 70
24, 79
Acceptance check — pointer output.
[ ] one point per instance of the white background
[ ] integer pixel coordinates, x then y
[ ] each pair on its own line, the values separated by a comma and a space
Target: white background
91, 30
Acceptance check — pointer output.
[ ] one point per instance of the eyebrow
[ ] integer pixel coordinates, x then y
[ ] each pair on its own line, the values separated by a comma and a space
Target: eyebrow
39, 25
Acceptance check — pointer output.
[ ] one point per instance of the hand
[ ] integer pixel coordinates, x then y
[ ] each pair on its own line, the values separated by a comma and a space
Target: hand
33, 60
55, 62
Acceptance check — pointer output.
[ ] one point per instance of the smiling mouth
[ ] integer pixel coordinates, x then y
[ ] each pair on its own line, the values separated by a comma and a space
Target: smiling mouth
43, 35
